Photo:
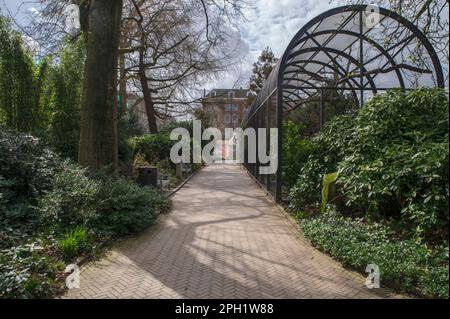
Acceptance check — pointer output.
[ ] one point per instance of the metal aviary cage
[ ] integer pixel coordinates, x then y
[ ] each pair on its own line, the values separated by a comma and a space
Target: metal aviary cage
356, 51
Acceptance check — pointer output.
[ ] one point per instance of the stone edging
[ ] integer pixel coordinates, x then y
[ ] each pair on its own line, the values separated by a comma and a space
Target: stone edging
81, 261
184, 182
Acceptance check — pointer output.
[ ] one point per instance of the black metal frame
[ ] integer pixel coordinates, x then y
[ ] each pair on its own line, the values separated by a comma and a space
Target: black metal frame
291, 84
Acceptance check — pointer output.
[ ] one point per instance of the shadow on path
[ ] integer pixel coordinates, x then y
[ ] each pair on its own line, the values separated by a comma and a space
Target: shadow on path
223, 239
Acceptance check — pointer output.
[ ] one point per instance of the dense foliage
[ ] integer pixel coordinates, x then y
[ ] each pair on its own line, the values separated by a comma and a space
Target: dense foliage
42, 96
391, 159
154, 147
406, 264
51, 212
18, 82
391, 190
124, 208
64, 98
296, 151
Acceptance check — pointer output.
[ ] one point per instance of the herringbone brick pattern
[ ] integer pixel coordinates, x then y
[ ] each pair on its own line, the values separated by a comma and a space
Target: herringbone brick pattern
222, 239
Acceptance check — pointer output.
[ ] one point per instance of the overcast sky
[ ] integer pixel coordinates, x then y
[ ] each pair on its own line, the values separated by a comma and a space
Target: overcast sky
270, 23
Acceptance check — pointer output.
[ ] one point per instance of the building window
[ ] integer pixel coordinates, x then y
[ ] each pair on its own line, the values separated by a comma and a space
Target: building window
231, 94
227, 118
235, 119
231, 107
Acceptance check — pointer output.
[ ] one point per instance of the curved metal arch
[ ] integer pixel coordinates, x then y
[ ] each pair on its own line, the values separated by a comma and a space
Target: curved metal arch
326, 65
294, 64
296, 95
384, 12
366, 39
311, 84
295, 105
341, 54
313, 76
346, 24
318, 89
303, 90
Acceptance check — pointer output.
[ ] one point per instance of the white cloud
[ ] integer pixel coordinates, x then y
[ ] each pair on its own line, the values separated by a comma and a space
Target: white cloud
271, 23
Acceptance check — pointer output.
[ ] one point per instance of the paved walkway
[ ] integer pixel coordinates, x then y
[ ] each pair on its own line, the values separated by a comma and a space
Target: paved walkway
222, 239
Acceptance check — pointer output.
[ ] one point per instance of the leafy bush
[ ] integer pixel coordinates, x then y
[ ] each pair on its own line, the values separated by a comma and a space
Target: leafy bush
406, 264
397, 159
72, 199
154, 147
296, 151
323, 160
74, 242
41, 198
392, 160
26, 168
29, 270
124, 208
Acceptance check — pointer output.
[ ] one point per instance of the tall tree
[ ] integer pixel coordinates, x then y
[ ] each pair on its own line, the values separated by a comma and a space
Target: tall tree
101, 24
98, 127
261, 69
168, 55
66, 90
17, 81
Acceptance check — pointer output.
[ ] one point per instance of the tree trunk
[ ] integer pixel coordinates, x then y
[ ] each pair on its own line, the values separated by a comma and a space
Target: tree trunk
98, 138
148, 100
122, 85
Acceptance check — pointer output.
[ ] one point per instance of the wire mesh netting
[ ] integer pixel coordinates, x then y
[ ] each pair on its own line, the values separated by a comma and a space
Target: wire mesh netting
348, 53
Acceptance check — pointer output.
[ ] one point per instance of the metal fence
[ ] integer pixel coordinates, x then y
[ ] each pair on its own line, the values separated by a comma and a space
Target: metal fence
357, 51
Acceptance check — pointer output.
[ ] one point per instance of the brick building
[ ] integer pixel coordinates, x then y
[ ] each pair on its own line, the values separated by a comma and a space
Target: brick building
225, 108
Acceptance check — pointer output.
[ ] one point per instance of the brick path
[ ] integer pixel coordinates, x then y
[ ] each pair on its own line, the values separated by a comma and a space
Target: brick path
222, 239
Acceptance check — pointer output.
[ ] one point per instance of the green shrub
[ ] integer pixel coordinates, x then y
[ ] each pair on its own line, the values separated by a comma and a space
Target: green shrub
112, 205
154, 147
406, 264
74, 242
124, 208
323, 160
41, 197
27, 169
397, 159
392, 161
296, 151
72, 199
27, 271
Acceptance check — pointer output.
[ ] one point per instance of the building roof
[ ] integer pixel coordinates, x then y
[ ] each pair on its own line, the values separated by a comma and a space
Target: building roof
223, 93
